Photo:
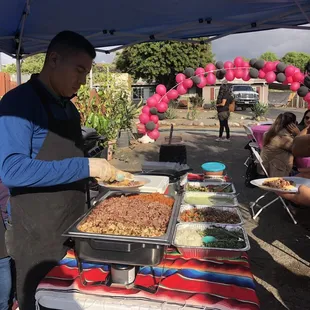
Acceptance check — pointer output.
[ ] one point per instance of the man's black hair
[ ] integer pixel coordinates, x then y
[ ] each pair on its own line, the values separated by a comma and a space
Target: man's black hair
307, 67
69, 41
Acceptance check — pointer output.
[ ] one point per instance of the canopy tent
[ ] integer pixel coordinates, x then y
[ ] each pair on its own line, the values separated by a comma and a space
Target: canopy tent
27, 26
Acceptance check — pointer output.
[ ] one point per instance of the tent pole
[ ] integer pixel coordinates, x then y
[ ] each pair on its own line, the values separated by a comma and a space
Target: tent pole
18, 71
302, 11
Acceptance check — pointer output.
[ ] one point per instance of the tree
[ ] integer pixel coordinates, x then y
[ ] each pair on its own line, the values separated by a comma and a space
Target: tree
29, 65
297, 59
160, 61
269, 56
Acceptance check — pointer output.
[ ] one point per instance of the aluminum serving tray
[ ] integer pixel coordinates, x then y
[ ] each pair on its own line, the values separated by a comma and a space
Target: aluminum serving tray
218, 203
204, 252
205, 183
166, 239
229, 209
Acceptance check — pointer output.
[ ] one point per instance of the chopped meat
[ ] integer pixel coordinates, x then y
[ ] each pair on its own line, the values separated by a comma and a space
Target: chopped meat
145, 215
279, 183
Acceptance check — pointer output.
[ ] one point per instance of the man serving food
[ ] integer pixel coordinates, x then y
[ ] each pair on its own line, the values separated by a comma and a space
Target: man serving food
42, 161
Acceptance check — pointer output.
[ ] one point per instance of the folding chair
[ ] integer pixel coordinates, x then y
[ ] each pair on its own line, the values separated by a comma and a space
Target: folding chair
260, 162
253, 143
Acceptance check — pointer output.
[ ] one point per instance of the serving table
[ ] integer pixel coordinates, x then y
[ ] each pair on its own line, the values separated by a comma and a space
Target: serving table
175, 283
182, 284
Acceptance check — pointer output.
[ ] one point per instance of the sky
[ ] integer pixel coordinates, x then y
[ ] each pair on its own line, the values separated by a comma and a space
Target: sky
249, 45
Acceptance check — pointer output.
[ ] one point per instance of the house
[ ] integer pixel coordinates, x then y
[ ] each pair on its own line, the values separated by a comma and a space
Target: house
142, 90
210, 92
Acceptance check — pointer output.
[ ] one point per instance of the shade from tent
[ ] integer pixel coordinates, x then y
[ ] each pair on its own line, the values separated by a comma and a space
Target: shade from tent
27, 26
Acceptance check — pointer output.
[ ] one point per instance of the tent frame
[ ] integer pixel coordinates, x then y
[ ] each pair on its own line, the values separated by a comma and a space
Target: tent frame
239, 28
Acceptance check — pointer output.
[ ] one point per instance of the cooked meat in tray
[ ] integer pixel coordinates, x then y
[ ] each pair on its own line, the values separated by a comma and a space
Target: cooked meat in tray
138, 217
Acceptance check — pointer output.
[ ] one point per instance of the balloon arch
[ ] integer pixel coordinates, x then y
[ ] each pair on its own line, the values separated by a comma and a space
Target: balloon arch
157, 104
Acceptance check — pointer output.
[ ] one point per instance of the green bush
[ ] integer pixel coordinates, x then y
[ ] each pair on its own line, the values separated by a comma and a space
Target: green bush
260, 110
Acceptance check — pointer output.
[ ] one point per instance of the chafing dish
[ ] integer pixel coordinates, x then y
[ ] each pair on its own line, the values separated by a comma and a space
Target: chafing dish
117, 249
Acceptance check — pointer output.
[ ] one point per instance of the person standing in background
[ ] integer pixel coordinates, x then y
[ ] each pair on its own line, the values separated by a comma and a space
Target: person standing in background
224, 100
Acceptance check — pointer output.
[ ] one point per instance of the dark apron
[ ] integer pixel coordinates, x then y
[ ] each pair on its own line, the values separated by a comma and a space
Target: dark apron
40, 215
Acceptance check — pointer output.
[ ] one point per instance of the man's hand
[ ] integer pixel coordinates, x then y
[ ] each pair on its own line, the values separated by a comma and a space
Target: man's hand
102, 170
302, 197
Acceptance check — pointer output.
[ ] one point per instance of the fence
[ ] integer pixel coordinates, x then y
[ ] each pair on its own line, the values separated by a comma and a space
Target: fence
6, 84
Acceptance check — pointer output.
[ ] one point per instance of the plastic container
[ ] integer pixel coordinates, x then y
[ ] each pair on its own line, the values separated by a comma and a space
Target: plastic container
155, 184
209, 199
232, 210
231, 187
204, 252
213, 168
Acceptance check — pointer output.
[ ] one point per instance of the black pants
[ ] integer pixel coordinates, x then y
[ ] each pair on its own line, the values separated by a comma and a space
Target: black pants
224, 124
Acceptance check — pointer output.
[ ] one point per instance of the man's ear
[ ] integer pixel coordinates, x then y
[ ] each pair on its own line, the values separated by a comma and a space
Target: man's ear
53, 59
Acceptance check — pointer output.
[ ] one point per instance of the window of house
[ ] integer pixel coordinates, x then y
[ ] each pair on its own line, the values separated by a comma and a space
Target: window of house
138, 92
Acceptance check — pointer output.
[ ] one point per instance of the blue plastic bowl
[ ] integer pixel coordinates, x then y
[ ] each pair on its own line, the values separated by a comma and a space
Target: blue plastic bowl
213, 167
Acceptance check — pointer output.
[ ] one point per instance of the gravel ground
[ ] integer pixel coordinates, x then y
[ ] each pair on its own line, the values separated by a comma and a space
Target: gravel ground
279, 255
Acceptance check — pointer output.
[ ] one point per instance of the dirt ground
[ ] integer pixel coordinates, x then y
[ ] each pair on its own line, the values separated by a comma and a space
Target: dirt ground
279, 255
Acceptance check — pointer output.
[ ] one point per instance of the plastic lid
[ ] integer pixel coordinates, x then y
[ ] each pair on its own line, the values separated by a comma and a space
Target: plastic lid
213, 167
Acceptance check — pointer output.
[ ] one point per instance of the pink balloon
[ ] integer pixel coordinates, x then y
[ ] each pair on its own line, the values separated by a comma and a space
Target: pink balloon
141, 128
261, 74
151, 102
161, 89
290, 70
210, 68
270, 77
172, 94
211, 79
295, 86
154, 134
203, 82
154, 118
298, 77
157, 97
307, 97
146, 109
162, 107
246, 64
269, 66
297, 70
289, 80
144, 118
308, 105
164, 99
181, 90
180, 77
229, 75
246, 77
238, 61
156, 125
199, 71
239, 73
188, 83
228, 65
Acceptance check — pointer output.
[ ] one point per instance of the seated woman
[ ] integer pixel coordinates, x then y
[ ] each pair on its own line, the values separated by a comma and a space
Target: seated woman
305, 122
277, 145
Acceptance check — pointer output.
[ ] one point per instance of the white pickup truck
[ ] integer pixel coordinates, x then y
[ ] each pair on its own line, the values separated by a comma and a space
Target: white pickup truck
245, 96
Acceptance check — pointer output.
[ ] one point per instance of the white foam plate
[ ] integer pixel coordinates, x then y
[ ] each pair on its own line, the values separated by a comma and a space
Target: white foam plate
298, 181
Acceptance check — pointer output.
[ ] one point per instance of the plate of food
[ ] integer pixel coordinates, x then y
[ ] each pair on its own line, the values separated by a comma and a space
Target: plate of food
126, 184
281, 184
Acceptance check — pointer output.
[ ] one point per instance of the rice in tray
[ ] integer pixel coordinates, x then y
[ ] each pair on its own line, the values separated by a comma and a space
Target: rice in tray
189, 238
